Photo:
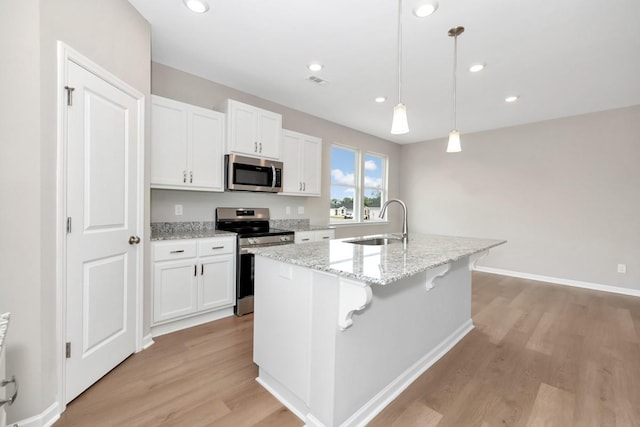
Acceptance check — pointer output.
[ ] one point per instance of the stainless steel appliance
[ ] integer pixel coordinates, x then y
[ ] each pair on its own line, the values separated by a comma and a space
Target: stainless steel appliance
252, 227
252, 174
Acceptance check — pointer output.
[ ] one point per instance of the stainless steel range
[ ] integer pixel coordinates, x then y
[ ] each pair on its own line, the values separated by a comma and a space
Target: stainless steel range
252, 227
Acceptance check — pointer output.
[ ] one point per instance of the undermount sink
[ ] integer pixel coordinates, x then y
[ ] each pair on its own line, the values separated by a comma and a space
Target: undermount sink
376, 241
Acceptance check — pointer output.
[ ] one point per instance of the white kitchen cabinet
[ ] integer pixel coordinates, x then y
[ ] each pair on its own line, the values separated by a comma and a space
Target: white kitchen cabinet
192, 276
253, 131
314, 235
186, 146
302, 158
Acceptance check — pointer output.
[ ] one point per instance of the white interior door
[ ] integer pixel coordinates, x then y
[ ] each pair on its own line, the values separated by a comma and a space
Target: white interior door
102, 204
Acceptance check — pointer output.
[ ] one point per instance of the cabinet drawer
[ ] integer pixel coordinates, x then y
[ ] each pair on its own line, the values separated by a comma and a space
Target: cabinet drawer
208, 247
163, 251
325, 234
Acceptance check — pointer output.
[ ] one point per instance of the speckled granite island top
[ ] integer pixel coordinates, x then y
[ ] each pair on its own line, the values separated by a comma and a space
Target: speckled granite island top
382, 264
185, 230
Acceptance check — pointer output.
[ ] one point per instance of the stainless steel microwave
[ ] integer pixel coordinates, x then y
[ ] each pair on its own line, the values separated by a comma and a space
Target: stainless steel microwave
252, 174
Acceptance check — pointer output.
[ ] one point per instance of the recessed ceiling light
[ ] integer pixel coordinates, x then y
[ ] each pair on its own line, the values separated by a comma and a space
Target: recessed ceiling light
381, 99
476, 67
512, 98
197, 6
314, 66
423, 9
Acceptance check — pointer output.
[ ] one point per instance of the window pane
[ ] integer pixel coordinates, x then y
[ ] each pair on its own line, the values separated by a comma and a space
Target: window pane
341, 203
374, 183
343, 166
373, 171
343, 185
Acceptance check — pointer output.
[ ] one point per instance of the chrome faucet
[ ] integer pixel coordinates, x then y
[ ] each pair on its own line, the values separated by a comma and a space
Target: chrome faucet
405, 228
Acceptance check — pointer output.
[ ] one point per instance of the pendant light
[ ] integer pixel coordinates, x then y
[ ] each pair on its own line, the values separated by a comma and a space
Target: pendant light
399, 125
454, 136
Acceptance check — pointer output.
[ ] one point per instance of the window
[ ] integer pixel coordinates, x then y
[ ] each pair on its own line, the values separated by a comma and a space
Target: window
358, 185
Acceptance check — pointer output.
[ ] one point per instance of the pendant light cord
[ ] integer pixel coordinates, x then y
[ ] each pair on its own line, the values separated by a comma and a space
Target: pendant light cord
455, 72
399, 52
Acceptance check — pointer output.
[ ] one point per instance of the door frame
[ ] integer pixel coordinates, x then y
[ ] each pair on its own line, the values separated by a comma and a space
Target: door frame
65, 54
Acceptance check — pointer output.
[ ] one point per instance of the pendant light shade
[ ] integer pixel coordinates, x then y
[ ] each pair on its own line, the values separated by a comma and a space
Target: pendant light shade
454, 142
399, 125
454, 136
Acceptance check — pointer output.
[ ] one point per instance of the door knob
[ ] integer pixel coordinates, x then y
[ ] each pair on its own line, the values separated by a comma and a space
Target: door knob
134, 240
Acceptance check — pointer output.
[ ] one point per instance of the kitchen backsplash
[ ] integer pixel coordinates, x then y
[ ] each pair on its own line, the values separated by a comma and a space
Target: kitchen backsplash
290, 224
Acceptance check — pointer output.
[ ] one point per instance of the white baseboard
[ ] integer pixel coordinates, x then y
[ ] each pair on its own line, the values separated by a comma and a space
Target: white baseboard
147, 341
44, 419
177, 325
558, 281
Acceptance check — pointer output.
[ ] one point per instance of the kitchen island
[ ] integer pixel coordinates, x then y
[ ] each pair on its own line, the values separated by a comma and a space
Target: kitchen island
341, 327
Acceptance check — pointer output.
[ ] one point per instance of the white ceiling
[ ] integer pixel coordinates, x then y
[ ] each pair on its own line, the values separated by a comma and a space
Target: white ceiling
562, 57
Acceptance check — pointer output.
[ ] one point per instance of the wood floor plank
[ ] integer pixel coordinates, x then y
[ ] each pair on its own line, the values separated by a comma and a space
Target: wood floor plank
552, 408
540, 354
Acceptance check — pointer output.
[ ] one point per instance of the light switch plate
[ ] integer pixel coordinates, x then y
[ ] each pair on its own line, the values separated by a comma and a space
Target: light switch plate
300, 210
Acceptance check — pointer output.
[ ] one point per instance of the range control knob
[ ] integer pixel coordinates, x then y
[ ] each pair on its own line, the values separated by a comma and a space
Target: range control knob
285, 238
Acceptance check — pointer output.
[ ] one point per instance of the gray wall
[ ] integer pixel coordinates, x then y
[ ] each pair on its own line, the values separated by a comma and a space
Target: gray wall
112, 34
564, 193
200, 206
20, 245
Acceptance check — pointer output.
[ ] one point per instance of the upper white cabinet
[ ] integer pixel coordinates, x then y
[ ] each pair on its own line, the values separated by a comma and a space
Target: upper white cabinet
302, 158
253, 131
186, 146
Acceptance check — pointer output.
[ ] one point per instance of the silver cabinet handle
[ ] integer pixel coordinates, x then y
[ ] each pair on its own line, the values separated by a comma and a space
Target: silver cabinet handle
217, 247
255, 146
179, 251
305, 240
304, 186
134, 240
261, 147
12, 399
191, 177
184, 176
300, 189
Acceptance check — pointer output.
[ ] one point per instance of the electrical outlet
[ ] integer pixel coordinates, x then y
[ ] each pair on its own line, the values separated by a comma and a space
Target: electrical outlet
287, 210
178, 209
622, 268
300, 210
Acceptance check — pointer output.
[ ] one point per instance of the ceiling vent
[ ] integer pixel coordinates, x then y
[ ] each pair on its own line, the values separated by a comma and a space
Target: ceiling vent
317, 80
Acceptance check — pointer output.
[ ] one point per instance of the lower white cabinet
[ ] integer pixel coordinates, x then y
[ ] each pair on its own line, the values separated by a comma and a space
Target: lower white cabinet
314, 235
192, 277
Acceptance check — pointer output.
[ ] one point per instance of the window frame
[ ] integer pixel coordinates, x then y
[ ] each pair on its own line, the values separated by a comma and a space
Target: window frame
359, 187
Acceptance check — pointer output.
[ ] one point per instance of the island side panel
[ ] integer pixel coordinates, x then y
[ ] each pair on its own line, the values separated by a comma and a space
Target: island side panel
394, 337
282, 331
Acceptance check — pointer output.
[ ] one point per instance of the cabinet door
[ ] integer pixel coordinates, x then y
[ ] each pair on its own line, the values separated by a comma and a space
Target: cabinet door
243, 128
168, 142
174, 289
291, 180
206, 138
270, 134
311, 160
216, 283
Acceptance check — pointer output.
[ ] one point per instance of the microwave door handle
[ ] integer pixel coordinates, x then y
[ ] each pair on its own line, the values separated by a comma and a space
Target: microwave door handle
273, 175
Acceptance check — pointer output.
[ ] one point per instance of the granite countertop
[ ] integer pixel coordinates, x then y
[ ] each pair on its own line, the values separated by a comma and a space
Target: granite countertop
185, 230
382, 264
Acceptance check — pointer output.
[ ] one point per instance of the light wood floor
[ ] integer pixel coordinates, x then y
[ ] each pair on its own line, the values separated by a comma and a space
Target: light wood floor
540, 355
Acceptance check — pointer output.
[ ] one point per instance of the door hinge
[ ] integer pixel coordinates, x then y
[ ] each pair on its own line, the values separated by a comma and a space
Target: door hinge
67, 350
69, 94
68, 224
